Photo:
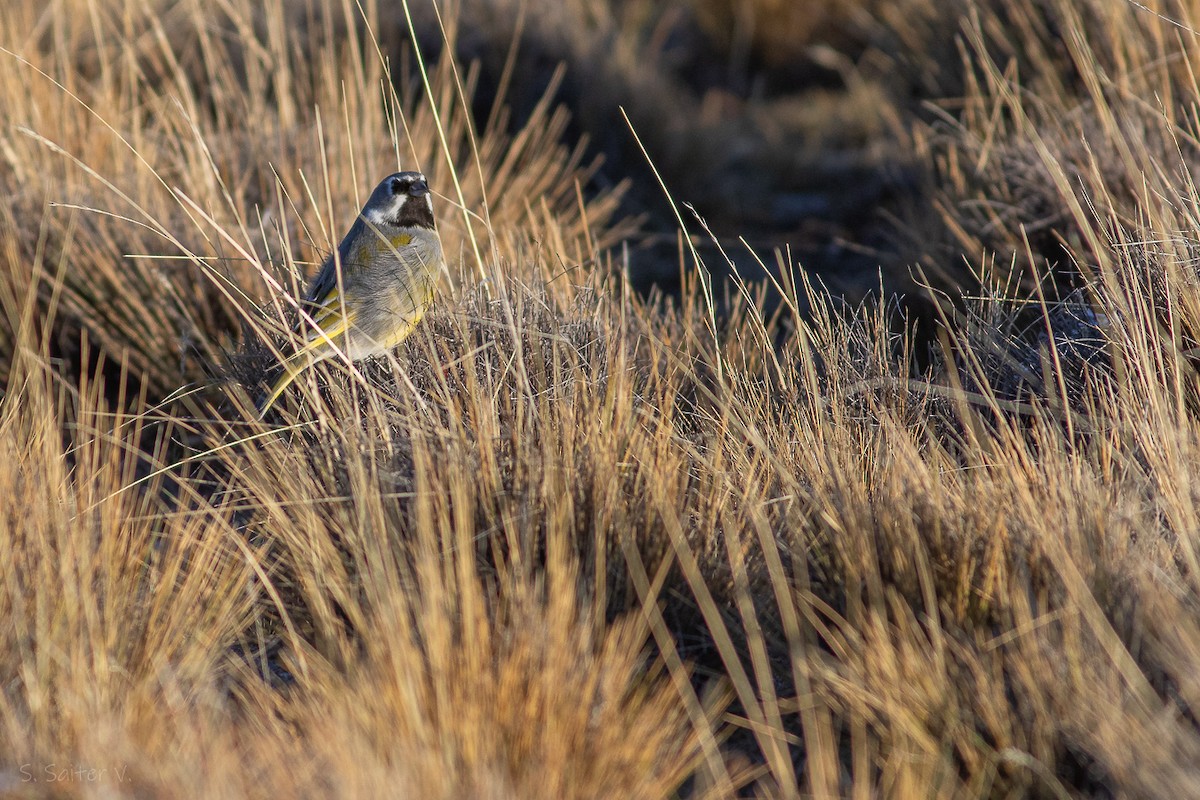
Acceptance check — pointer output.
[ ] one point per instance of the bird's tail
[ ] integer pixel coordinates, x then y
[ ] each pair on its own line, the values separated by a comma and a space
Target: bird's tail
331, 323
292, 368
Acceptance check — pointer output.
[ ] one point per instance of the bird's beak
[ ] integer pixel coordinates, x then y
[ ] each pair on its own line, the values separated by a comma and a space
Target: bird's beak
418, 189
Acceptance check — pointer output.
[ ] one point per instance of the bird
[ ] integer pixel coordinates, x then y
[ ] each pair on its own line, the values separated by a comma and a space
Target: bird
372, 291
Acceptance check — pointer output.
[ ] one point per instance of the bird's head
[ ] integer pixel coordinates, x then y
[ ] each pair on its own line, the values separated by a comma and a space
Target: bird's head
401, 200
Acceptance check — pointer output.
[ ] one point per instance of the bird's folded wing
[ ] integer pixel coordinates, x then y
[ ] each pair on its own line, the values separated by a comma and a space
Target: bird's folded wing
331, 321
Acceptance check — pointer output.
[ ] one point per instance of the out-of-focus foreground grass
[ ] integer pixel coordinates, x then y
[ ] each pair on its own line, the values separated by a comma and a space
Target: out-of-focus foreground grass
569, 540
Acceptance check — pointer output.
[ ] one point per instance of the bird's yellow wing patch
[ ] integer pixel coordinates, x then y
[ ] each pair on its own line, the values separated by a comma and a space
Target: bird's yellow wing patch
331, 323
326, 308
325, 316
330, 297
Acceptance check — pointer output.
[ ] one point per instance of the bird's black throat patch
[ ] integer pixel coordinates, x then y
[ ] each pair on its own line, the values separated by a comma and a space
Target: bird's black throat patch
414, 213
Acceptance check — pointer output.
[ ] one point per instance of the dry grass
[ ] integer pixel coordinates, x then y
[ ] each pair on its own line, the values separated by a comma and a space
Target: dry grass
568, 541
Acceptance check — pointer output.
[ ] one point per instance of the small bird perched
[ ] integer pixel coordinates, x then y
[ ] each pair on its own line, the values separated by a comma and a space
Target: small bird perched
373, 291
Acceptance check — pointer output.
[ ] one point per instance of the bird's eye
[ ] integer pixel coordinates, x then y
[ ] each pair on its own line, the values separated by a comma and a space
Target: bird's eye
397, 186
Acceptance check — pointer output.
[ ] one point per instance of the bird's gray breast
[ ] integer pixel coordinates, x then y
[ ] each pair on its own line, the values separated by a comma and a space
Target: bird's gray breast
411, 270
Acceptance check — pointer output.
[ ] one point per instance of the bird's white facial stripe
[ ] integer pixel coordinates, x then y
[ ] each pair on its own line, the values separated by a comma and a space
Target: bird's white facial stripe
379, 217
